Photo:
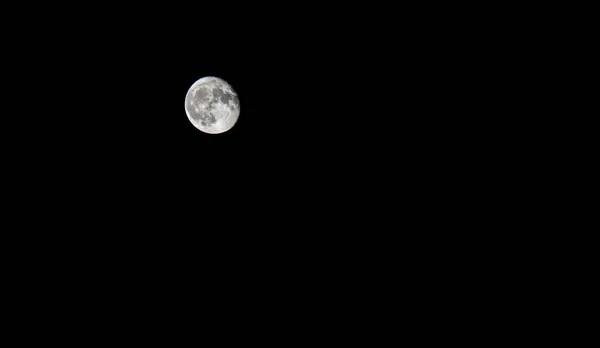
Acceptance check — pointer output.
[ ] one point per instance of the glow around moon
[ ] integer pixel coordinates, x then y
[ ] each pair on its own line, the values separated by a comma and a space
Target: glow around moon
212, 105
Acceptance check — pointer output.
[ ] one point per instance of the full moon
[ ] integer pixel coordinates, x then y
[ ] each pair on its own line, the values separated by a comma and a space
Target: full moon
212, 105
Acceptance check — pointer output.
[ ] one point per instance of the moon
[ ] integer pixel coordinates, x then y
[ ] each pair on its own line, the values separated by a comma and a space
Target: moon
212, 105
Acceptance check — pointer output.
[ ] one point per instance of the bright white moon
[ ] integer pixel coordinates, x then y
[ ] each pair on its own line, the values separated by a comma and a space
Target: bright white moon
212, 105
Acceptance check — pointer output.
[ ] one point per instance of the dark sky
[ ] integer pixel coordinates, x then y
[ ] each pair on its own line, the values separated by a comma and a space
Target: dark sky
378, 162
370, 148
340, 113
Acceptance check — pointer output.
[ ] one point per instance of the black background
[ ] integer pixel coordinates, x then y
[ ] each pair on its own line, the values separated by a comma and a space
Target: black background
319, 103
343, 111
349, 117
365, 135
381, 164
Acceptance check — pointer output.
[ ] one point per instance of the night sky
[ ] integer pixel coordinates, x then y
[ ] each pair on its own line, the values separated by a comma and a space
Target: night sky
377, 164
348, 122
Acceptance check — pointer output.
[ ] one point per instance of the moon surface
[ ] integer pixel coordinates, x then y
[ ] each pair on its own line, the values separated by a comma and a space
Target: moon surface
212, 105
